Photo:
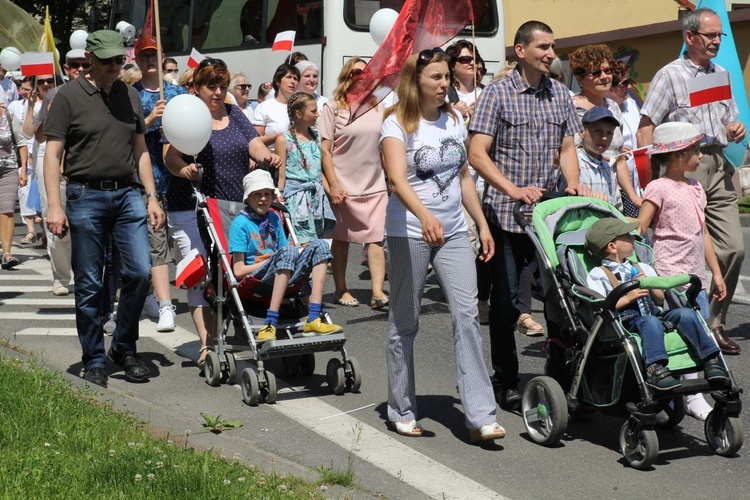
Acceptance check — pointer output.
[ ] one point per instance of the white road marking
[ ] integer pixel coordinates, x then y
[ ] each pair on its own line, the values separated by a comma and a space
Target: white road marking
27, 289
22, 277
53, 301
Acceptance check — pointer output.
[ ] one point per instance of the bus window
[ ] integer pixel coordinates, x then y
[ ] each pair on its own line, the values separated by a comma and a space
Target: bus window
357, 14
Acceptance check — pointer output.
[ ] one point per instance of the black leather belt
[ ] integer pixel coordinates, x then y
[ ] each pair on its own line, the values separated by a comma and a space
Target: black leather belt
105, 185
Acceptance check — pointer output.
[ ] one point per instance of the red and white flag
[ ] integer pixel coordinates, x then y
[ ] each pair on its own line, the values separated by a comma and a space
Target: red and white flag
195, 59
284, 41
37, 63
642, 165
190, 270
709, 88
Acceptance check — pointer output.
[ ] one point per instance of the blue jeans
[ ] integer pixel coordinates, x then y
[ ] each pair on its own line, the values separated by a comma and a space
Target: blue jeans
94, 216
651, 331
289, 258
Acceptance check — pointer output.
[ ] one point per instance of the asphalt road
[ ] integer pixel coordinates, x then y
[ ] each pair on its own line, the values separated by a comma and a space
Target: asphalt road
308, 428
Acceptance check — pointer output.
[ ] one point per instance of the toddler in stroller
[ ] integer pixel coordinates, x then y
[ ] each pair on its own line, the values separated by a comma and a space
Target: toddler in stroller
610, 239
260, 249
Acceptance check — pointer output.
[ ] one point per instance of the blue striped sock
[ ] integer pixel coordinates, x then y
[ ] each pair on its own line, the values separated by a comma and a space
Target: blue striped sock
314, 312
272, 318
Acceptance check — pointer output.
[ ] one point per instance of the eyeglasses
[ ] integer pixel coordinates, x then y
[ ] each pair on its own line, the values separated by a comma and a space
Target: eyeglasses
210, 61
48, 81
243, 86
356, 72
465, 59
427, 54
146, 57
711, 36
118, 60
83, 65
623, 83
598, 72
171, 70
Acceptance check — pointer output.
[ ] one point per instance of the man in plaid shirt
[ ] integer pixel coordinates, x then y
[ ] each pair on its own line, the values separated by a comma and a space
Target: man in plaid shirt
668, 100
520, 123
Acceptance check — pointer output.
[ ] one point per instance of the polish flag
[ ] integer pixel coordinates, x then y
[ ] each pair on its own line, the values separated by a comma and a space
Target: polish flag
642, 165
37, 63
190, 270
709, 88
284, 41
195, 59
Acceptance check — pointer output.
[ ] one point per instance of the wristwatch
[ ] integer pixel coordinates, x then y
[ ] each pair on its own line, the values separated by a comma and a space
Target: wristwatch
152, 195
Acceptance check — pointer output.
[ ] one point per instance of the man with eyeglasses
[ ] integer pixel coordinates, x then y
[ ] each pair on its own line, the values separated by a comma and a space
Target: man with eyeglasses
159, 304
98, 123
75, 63
519, 124
668, 100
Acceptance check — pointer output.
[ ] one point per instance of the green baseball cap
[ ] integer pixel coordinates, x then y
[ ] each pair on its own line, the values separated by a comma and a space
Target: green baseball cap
105, 44
605, 230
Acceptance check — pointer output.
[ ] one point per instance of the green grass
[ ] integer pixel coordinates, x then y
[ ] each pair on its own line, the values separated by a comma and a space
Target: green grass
745, 205
59, 443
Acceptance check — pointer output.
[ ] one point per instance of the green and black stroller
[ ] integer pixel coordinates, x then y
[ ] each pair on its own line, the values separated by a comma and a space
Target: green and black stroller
593, 362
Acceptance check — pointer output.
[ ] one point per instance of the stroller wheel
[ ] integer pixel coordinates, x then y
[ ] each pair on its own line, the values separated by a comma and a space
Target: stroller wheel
268, 391
291, 365
724, 435
212, 370
231, 373
307, 363
335, 376
250, 386
674, 408
545, 410
354, 377
639, 446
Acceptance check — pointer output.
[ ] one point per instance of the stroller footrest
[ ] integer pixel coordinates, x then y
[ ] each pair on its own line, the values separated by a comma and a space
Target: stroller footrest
289, 347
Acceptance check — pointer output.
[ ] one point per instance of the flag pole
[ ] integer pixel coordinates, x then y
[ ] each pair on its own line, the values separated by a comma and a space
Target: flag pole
474, 55
159, 53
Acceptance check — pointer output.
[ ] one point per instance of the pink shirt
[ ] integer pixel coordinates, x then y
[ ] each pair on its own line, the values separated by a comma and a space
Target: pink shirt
678, 226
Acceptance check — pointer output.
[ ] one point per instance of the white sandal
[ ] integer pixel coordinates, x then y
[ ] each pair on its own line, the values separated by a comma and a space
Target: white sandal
487, 432
410, 428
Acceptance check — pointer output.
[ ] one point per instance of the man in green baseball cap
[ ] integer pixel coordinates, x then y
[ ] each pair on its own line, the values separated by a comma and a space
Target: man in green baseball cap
105, 44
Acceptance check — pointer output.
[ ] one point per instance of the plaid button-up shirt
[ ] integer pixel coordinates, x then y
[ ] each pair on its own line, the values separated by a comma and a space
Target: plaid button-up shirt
528, 126
668, 100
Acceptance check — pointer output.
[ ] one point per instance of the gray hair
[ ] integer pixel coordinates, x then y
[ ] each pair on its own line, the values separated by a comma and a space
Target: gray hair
235, 79
693, 19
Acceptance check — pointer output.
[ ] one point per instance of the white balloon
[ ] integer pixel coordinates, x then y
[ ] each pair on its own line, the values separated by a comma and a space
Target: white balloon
187, 123
10, 58
78, 39
381, 23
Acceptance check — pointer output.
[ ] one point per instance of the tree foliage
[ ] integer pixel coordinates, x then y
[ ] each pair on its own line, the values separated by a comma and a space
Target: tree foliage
66, 16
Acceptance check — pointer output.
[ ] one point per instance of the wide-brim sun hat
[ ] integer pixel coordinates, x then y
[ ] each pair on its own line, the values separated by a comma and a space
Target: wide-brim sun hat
255, 181
674, 136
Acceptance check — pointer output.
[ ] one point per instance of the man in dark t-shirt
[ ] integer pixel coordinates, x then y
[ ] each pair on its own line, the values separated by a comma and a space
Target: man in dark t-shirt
98, 123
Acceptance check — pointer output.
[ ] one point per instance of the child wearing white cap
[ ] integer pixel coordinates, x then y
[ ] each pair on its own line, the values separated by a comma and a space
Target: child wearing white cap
260, 249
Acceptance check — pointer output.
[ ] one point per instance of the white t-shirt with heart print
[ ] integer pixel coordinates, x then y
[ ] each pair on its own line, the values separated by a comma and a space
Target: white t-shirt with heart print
435, 154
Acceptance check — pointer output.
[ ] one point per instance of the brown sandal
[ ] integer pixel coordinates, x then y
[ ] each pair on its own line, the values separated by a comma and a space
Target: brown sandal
528, 326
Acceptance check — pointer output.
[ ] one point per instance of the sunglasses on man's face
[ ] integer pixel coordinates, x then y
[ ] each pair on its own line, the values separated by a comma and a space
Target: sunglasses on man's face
118, 60
244, 86
171, 70
465, 59
82, 65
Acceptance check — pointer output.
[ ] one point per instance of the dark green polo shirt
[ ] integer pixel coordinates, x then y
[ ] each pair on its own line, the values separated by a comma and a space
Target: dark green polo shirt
97, 128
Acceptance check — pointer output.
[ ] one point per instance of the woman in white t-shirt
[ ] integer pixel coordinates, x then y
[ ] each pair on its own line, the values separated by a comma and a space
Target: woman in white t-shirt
424, 145
270, 118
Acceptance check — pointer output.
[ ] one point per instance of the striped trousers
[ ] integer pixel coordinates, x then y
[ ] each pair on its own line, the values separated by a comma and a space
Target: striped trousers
407, 270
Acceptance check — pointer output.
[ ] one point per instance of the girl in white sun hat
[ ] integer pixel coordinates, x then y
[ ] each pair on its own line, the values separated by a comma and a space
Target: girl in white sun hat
673, 206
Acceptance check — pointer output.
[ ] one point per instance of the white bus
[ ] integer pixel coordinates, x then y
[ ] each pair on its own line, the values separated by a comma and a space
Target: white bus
241, 32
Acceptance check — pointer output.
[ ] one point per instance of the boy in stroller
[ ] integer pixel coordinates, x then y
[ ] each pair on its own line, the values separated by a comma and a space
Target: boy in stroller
611, 239
260, 249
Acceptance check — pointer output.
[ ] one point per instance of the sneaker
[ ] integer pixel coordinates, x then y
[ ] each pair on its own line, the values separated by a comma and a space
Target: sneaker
110, 325
96, 376
318, 327
135, 369
714, 370
58, 289
166, 319
151, 306
268, 332
660, 378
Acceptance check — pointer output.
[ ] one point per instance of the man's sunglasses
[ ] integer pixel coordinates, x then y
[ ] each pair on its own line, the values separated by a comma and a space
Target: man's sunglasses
244, 86
171, 70
427, 54
48, 81
118, 60
465, 59
598, 72
83, 65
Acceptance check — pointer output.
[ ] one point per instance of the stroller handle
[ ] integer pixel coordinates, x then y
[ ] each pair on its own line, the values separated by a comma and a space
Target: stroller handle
655, 283
521, 218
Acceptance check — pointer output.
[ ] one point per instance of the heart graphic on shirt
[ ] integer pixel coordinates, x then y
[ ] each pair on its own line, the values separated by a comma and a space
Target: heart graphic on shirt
441, 165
